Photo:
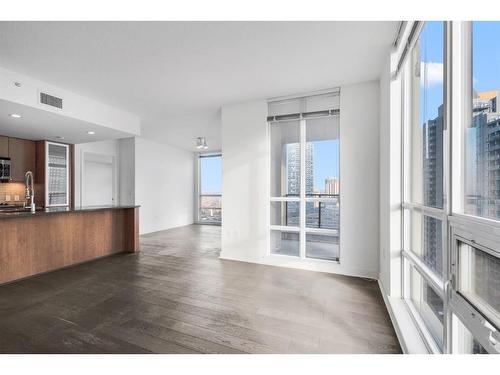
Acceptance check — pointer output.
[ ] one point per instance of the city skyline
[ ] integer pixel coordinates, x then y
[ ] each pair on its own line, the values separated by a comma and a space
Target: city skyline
318, 214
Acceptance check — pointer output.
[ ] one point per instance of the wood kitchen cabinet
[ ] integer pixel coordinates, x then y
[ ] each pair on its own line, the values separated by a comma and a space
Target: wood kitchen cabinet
22, 154
4, 146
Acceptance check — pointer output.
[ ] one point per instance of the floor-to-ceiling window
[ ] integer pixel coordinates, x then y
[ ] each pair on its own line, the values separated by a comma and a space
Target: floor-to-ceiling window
451, 188
305, 179
423, 195
475, 220
210, 188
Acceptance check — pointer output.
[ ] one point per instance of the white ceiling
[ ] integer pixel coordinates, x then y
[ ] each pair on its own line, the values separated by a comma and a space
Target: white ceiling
176, 75
37, 124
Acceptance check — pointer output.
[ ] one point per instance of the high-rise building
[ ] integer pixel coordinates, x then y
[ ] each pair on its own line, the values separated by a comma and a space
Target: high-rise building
332, 186
318, 215
433, 189
293, 168
483, 198
293, 178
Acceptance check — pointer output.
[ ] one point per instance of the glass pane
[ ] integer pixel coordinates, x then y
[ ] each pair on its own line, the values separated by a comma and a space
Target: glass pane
482, 151
322, 157
479, 280
324, 215
211, 208
210, 188
285, 213
285, 243
427, 240
321, 246
426, 133
285, 159
429, 305
57, 174
211, 175
465, 342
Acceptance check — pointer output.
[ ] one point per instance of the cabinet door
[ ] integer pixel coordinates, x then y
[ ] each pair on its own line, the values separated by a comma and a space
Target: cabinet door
4, 146
57, 174
22, 155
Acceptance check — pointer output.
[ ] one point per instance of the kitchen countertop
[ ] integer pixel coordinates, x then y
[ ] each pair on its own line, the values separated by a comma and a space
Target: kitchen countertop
59, 210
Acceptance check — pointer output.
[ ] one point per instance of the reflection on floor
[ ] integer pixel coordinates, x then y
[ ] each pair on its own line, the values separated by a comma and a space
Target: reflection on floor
177, 296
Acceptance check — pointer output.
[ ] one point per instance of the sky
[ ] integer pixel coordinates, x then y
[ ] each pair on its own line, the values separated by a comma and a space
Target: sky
431, 70
211, 175
486, 62
486, 55
326, 162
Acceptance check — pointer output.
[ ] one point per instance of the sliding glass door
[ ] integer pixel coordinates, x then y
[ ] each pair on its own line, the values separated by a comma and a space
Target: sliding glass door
210, 189
305, 180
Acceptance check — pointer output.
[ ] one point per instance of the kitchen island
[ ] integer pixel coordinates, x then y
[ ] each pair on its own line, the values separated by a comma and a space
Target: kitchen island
48, 239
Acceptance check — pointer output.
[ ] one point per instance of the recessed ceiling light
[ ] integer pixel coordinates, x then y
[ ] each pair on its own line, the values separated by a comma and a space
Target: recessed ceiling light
90, 132
15, 115
59, 137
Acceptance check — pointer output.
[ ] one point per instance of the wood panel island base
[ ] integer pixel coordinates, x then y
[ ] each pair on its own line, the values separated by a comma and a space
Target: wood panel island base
53, 238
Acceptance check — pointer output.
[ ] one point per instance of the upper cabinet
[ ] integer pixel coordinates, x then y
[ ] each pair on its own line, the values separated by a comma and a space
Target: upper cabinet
53, 174
4, 146
22, 154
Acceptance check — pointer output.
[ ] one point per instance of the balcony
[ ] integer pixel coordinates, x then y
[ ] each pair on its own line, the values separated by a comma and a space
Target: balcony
322, 227
210, 208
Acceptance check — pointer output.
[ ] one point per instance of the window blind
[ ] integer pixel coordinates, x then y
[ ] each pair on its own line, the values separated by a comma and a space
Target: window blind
319, 105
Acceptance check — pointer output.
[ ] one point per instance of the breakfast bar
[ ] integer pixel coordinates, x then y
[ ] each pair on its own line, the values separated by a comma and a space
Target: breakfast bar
52, 238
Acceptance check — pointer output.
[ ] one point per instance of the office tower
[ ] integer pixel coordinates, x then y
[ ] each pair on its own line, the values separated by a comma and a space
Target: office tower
484, 197
433, 189
332, 186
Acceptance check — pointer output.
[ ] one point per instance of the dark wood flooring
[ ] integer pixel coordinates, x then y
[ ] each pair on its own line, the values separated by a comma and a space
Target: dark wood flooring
176, 296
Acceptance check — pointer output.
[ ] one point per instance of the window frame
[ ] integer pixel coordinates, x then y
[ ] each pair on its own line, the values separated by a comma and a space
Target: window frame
480, 232
198, 193
410, 258
302, 229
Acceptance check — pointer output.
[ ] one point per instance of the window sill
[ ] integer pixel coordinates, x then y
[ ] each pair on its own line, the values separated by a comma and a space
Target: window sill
407, 332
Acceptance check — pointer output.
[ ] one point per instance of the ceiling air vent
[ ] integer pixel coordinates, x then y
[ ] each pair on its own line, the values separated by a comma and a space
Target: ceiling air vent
51, 100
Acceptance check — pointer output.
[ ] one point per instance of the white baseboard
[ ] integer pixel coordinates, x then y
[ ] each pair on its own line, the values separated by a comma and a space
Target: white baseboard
304, 264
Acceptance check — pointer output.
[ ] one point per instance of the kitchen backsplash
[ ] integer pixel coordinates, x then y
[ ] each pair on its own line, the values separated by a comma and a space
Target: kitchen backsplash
12, 189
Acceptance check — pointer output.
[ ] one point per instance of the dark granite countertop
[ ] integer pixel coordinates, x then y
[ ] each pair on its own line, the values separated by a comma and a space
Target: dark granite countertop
58, 210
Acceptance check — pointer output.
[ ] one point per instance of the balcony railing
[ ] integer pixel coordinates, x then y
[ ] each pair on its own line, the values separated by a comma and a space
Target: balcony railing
210, 208
319, 214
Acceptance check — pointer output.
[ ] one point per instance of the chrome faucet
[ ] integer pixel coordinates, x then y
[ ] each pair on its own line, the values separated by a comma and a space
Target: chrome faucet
30, 190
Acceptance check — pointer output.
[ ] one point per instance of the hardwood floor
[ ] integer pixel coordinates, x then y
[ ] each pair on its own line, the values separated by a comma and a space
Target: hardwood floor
176, 296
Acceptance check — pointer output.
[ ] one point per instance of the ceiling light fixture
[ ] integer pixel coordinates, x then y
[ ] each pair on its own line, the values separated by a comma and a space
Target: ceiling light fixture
201, 143
58, 137
90, 132
15, 115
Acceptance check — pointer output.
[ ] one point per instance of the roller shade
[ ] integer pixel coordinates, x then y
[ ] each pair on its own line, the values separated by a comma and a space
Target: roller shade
320, 105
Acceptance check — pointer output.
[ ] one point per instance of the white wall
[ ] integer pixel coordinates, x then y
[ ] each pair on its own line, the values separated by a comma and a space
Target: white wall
359, 178
384, 178
245, 184
390, 183
164, 185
